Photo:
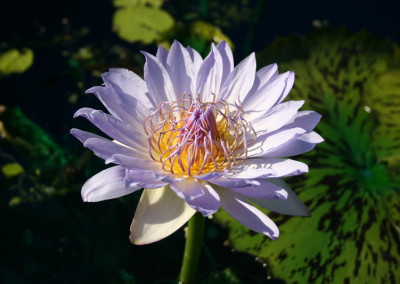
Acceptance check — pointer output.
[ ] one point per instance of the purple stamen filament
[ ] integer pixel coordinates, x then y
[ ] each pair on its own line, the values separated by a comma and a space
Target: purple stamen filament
191, 138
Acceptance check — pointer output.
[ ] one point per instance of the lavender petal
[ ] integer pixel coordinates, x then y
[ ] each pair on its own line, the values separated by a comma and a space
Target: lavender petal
107, 184
247, 214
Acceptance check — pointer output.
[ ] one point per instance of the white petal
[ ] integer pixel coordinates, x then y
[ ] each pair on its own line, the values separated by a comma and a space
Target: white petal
122, 107
144, 179
207, 204
107, 184
227, 59
266, 73
180, 69
188, 189
264, 190
240, 81
105, 148
233, 182
266, 143
198, 194
311, 137
128, 83
262, 77
247, 214
305, 119
158, 81
275, 118
291, 206
210, 175
113, 127
208, 81
269, 94
196, 59
267, 168
289, 85
302, 144
134, 163
162, 55
159, 214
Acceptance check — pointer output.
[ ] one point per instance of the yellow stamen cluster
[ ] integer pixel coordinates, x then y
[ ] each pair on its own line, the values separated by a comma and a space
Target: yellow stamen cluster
189, 137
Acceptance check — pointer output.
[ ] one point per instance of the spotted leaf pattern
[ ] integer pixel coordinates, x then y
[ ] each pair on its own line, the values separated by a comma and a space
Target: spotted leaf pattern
353, 187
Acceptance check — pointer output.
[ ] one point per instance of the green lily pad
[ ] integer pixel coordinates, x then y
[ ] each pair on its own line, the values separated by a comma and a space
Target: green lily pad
135, 3
12, 169
14, 61
352, 189
141, 23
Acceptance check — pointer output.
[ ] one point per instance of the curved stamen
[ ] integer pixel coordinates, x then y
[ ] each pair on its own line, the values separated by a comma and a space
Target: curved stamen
189, 137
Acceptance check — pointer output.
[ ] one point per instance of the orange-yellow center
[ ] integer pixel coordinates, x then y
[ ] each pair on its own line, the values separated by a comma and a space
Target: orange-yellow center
189, 137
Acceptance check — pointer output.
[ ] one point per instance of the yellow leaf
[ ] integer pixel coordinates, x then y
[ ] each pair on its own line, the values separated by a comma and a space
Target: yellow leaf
12, 169
13, 61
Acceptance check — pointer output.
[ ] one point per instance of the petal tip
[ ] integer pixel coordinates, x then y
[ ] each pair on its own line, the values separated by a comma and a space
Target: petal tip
274, 237
134, 240
137, 242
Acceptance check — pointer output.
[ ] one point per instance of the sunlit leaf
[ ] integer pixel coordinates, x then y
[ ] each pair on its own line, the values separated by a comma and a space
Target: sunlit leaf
14, 61
141, 23
135, 3
12, 169
14, 201
352, 189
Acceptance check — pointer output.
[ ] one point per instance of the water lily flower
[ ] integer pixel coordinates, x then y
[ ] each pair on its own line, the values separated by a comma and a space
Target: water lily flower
198, 134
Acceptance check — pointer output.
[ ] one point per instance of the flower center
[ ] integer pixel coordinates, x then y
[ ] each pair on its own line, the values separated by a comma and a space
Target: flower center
189, 137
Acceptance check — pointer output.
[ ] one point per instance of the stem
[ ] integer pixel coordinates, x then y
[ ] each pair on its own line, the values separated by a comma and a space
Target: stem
191, 255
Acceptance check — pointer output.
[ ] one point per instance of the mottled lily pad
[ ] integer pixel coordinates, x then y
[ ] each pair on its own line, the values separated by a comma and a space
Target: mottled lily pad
353, 189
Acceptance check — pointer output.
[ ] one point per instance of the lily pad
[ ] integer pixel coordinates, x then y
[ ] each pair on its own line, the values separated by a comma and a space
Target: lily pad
353, 189
14, 61
141, 23
12, 169
135, 3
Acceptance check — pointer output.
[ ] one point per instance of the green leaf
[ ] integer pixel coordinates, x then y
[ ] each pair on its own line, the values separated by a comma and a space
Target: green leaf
135, 3
12, 169
33, 144
352, 189
13, 61
384, 101
140, 23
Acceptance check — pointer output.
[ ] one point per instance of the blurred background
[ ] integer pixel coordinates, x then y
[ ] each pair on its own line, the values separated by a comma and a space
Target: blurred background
347, 63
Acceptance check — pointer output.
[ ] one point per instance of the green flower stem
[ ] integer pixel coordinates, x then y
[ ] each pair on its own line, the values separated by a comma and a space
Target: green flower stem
191, 255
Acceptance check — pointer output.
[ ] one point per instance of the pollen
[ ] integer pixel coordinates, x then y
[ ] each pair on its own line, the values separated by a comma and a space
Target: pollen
189, 137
